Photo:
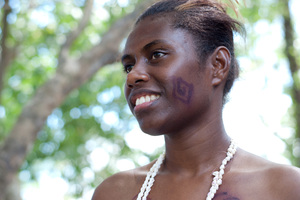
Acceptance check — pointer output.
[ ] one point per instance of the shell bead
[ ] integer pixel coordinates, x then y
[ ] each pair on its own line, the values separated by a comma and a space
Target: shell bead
216, 182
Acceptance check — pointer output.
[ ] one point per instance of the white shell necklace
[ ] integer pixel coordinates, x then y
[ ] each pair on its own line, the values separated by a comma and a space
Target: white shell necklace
217, 180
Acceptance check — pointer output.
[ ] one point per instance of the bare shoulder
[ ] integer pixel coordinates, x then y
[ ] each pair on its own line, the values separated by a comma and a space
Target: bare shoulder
285, 181
123, 185
275, 181
112, 187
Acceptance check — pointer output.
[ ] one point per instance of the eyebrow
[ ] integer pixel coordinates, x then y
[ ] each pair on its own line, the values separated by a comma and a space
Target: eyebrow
124, 57
146, 47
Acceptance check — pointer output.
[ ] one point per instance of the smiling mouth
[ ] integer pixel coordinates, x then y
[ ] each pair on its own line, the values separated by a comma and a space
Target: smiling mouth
145, 99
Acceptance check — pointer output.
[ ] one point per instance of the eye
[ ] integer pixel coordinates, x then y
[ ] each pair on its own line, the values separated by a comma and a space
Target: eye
156, 55
128, 68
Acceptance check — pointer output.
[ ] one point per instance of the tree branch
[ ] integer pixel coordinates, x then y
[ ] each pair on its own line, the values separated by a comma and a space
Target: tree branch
5, 57
291, 54
72, 36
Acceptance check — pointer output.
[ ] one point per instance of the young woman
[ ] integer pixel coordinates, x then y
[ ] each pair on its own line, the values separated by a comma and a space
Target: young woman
180, 66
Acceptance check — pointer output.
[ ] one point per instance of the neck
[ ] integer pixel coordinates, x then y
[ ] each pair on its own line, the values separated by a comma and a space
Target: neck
196, 151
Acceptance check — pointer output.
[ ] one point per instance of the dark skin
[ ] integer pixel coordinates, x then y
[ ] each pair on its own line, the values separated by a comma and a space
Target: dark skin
162, 61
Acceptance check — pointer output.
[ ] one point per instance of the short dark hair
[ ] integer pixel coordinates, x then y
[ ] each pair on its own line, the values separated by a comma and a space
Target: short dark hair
209, 25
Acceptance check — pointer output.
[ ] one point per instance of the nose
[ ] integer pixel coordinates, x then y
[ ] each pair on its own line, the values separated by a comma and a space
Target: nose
137, 76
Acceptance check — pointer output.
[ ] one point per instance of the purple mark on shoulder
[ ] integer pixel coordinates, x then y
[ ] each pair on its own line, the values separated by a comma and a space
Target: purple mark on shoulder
225, 196
182, 90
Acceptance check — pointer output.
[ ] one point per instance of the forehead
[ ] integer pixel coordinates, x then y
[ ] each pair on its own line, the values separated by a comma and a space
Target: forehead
154, 28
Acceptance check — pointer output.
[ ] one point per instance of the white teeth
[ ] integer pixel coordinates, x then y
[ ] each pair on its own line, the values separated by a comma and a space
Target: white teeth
137, 102
153, 97
146, 98
142, 100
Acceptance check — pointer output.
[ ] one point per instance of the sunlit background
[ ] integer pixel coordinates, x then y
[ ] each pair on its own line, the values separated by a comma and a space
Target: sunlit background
256, 115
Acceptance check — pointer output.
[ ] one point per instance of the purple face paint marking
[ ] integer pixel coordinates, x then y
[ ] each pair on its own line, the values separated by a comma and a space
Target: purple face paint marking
182, 90
225, 196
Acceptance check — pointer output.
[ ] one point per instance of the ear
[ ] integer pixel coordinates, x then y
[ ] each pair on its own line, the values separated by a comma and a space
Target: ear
221, 59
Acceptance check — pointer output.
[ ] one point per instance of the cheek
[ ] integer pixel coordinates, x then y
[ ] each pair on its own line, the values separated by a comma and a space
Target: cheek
126, 92
182, 90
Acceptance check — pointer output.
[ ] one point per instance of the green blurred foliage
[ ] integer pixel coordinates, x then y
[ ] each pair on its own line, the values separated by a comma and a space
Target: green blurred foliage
93, 117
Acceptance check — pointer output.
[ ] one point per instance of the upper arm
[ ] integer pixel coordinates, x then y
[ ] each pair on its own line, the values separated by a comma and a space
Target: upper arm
104, 190
286, 183
116, 187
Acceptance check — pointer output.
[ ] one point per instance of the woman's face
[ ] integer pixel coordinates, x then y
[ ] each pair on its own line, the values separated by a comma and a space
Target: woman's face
167, 88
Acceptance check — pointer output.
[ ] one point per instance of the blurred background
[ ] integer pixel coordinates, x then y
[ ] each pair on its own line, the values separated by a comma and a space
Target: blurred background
64, 123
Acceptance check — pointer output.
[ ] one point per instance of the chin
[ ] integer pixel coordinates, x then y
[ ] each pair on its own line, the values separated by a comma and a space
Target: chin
150, 130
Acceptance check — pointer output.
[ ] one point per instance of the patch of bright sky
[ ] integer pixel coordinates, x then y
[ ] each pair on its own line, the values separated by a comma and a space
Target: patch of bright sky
2, 112
123, 3
267, 32
255, 110
88, 175
47, 148
16, 7
100, 148
101, 15
96, 163
42, 16
76, 13
54, 121
79, 3
101, 3
47, 184
108, 95
136, 139
97, 111
14, 81
47, 181
75, 113
11, 18
110, 119
124, 164
258, 103
295, 5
